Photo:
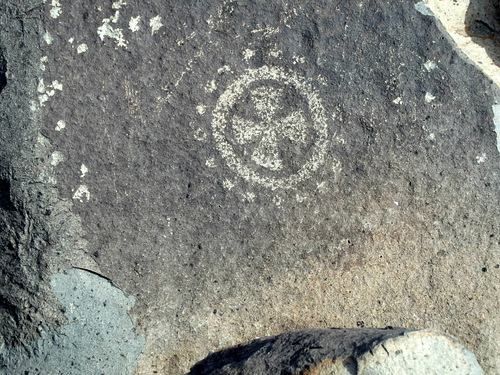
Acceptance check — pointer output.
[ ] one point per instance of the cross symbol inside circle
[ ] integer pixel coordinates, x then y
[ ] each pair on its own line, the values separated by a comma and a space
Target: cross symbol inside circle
271, 129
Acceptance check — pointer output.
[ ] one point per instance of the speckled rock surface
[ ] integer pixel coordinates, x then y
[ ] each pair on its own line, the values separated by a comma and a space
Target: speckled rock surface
245, 168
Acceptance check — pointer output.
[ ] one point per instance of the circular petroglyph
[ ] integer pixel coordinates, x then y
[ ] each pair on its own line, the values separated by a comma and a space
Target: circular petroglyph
270, 128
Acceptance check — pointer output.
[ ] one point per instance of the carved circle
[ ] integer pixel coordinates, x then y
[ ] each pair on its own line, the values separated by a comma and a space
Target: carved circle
261, 169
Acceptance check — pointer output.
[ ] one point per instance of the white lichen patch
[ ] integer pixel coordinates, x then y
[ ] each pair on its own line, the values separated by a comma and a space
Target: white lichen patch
248, 54
82, 48
56, 9
43, 98
299, 59
57, 85
48, 38
155, 24
43, 61
134, 24
225, 69
61, 124
201, 109
56, 157
210, 163
47, 91
249, 196
41, 87
276, 53
430, 65
429, 97
106, 30
211, 86
83, 170
336, 166
114, 18
81, 193
481, 158
210, 21
42, 95
228, 184
118, 4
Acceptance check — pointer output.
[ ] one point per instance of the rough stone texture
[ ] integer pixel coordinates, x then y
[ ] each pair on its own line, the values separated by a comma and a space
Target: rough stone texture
38, 234
98, 337
245, 168
475, 26
344, 352
420, 352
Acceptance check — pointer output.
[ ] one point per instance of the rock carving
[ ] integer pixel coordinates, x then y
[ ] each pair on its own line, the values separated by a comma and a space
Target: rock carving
262, 142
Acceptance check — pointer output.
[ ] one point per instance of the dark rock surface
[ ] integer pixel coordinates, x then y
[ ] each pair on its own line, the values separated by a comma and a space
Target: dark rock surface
38, 234
245, 168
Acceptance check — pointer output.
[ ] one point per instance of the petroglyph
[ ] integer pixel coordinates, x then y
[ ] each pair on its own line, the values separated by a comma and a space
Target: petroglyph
269, 130
270, 127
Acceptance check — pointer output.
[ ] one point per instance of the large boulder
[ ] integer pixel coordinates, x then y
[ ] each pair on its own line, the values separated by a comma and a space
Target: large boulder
367, 351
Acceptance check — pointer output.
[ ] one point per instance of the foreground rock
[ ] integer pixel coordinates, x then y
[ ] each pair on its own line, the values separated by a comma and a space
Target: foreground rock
345, 352
225, 170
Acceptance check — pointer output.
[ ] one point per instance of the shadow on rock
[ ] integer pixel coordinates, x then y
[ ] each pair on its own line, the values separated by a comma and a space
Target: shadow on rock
482, 24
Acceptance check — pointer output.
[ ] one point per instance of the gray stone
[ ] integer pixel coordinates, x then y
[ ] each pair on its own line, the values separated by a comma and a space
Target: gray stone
345, 352
98, 337
242, 169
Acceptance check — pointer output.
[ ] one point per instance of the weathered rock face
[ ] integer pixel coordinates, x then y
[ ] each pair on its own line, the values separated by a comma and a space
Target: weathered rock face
241, 169
475, 26
368, 351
